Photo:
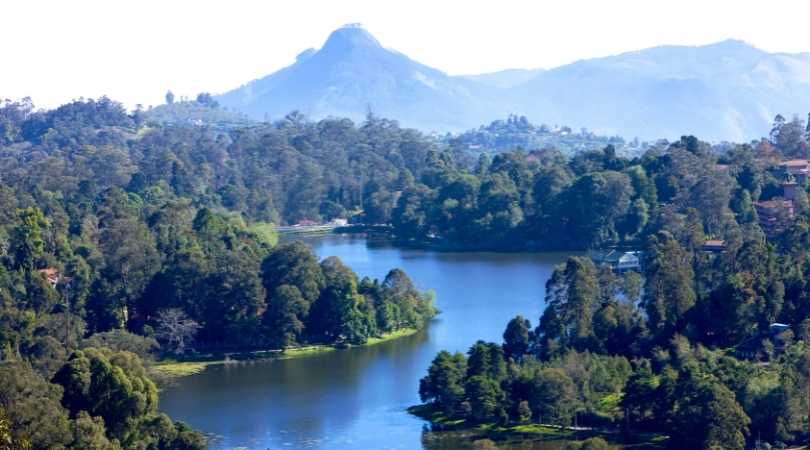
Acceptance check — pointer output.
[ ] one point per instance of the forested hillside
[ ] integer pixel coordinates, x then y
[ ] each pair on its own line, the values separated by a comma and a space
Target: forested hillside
203, 110
543, 200
121, 243
518, 133
130, 241
282, 172
707, 342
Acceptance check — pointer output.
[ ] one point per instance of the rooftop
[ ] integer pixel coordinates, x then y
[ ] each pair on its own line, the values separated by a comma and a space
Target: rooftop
795, 163
773, 204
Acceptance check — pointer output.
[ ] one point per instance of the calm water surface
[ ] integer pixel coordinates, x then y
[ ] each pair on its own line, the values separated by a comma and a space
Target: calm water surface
356, 399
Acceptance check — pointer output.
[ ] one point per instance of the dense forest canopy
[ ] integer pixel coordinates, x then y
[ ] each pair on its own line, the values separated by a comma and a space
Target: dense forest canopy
121, 238
543, 200
122, 242
708, 341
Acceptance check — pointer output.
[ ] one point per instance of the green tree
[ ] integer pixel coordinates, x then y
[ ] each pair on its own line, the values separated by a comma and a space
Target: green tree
589, 210
517, 338
444, 384
486, 399
572, 296
114, 388
285, 315
89, 433
33, 408
552, 397
639, 395
337, 315
669, 288
486, 359
707, 416
293, 264
131, 261
27, 243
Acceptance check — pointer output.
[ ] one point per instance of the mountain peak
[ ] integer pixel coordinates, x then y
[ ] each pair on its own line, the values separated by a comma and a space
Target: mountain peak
349, 37
732, 45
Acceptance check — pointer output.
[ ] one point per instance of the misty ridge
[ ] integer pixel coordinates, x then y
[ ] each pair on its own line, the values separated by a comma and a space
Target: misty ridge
727, 91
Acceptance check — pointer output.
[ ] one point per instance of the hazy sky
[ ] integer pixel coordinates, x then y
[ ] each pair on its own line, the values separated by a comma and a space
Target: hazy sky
133, 51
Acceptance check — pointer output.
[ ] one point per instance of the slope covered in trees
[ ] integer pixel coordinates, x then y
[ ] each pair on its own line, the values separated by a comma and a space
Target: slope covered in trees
517, 132
283, 172
683, 356
119, 236
202, 111
121, 243
543, 200
708, 345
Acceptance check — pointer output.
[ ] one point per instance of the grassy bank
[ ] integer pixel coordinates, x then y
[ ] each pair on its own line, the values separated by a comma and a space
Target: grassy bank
401, 333
515, 433
172, 369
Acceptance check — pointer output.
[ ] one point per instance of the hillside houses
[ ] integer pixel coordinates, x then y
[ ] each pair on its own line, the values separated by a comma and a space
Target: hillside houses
775, 214
796, 168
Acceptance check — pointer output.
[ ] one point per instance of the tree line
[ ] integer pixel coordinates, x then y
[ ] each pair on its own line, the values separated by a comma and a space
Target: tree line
541, 200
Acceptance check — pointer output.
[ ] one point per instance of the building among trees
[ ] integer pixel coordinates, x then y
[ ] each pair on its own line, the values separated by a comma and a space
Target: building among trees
619, 261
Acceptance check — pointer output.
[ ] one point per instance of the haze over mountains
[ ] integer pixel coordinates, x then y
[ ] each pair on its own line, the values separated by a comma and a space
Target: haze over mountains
724, 91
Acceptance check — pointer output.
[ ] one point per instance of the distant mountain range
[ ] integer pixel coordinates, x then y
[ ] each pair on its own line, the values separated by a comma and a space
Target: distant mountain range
724, 91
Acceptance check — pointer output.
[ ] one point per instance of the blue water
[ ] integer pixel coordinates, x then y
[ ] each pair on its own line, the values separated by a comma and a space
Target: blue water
356, 398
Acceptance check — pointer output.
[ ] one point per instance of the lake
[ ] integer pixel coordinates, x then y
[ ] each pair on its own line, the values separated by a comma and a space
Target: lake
356, 398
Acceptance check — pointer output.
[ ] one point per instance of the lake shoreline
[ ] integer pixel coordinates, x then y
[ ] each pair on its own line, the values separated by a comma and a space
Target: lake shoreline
173, 369
388, 234
369, 388
520, 432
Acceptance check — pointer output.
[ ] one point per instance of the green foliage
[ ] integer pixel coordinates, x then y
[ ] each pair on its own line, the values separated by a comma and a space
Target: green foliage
517, 132
594, 443
552, 396
486, 399
444, 384
517, 338
265, 233
572, 296
121, 340
706, 415
26, 238
204, 111
668, 291
33, 407
99, 385
134, 222
109, 390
